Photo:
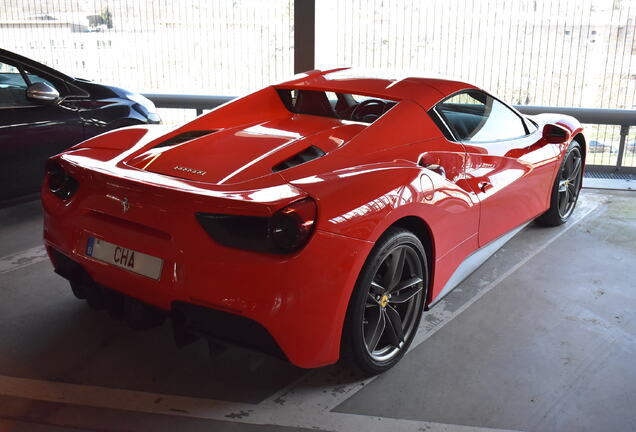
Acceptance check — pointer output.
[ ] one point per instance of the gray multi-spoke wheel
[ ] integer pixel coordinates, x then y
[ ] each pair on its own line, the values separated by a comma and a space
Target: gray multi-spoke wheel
394, 297
565, 191
387, 303
569, 182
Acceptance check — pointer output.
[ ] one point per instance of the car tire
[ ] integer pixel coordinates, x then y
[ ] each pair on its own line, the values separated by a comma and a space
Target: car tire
567, 186
388, 298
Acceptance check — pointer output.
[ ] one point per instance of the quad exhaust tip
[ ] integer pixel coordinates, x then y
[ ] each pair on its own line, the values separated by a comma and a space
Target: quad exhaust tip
189, 322
138, 315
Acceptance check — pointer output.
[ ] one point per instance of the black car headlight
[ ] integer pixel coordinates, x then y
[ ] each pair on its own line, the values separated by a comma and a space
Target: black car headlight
286, 231
60, 183
144, 106
152, 116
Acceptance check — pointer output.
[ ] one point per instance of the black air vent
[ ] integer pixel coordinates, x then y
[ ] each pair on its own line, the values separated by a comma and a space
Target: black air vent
183, 137
310, 153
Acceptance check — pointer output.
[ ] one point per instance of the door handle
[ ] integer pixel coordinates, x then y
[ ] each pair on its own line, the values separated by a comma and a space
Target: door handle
437, 169
484, 186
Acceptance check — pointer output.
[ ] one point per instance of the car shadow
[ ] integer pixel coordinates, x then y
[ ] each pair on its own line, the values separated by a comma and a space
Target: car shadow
67, 341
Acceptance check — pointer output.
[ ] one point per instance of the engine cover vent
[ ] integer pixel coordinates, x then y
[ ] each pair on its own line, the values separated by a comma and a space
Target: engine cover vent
310, 153
183, 137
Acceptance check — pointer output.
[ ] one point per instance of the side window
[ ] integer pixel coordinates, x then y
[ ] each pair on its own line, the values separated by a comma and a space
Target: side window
12, 87
477, 117
33, 78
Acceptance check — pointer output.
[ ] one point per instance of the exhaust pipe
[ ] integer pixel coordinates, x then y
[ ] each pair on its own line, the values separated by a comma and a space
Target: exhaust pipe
141, 316
94, 296
137, 315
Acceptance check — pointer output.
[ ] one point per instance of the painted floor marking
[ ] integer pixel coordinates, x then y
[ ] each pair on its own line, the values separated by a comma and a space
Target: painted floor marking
156, 403
308, 390
306, 403
588, 207
22, 259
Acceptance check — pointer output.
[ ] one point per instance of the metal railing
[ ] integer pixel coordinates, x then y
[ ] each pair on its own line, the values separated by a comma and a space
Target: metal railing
196, 102
599, 116
596, 116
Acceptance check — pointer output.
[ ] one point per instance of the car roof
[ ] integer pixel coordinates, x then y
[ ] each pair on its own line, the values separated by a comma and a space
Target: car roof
394, 86
32, 64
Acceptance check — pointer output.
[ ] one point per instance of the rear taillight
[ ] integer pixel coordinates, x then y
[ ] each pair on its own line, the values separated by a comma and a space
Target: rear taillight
291, 226
59, 182
287, 231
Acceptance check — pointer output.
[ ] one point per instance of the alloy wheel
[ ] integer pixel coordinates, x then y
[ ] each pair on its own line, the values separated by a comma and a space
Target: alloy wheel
569, 183
393, 300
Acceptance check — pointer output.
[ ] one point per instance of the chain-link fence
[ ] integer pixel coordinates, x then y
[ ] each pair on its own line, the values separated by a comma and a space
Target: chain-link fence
186, 46
578, 53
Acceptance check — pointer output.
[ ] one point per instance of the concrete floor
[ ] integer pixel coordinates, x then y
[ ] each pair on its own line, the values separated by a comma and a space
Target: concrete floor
541, 337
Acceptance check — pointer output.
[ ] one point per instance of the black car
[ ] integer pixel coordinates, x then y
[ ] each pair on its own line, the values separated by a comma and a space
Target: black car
43, 112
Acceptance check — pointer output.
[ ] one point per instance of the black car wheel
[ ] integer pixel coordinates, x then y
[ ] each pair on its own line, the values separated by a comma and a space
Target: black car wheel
566, 188
387, 303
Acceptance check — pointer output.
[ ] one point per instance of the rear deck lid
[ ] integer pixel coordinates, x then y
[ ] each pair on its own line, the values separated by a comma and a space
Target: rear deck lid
235, 155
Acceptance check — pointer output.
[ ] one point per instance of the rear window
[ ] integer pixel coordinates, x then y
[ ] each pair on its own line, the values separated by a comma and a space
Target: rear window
343, 106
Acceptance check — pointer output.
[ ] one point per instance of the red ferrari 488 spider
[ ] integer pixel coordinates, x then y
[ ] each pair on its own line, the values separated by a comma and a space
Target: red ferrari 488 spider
314, 219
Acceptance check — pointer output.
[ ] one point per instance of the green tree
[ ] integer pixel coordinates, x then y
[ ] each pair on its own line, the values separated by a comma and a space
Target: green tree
107, 17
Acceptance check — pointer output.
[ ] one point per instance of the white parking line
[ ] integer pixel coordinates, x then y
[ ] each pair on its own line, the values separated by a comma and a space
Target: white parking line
309, 390
22, 259
157, 403
586, 206
307, 403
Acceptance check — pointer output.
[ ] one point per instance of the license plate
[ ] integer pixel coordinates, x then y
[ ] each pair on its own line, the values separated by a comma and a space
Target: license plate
125, 258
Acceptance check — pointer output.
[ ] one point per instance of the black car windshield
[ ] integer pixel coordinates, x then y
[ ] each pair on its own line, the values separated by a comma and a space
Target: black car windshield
343, 106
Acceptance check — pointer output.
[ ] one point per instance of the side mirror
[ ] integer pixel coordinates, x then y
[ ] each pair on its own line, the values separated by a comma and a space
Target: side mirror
42, 92
555, 134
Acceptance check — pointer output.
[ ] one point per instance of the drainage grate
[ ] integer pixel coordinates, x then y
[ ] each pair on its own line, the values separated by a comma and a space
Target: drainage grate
610, 175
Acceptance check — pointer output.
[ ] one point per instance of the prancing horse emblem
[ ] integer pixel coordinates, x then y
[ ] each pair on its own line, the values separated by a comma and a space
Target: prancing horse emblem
125, 206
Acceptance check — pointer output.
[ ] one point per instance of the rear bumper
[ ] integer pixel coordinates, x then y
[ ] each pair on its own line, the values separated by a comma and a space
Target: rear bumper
290, 306
188, 320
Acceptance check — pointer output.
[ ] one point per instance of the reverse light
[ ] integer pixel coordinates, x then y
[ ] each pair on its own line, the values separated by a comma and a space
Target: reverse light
59, 182
286, 231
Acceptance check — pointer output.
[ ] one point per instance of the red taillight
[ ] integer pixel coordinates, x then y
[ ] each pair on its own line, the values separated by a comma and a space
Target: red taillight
60, 183
287, 231
291, 226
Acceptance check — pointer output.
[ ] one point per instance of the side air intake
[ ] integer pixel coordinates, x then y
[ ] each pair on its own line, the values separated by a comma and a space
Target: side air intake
310, 153
183, 137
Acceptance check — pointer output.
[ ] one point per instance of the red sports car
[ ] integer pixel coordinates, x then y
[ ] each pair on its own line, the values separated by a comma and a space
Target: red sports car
314, 219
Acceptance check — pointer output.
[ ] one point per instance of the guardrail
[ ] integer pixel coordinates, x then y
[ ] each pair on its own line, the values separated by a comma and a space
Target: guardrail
197, 102
600, 116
